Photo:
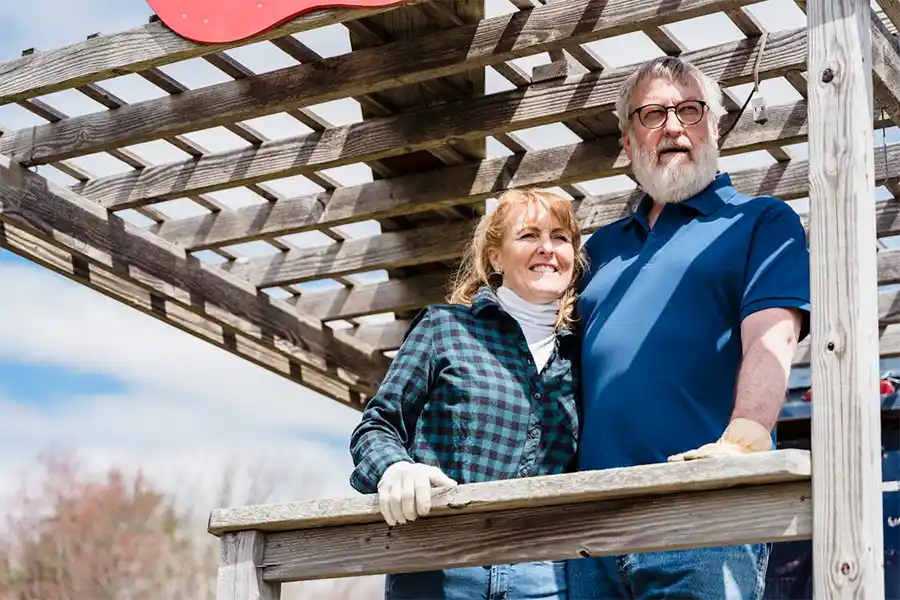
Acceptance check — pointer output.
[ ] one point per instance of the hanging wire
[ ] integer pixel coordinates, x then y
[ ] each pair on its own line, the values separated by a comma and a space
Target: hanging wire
762, 48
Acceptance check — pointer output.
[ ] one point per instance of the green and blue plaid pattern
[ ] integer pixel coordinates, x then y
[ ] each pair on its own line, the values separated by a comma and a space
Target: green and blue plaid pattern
464, 394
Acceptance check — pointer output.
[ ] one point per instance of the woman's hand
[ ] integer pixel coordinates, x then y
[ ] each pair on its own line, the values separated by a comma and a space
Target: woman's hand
404, 491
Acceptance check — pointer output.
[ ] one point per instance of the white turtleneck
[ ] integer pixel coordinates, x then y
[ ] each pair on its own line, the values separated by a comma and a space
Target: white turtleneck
538, 322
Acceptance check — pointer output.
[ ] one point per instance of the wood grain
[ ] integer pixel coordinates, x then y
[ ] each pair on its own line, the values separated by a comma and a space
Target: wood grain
57, 215
420, 245
886, 68
423, 129
447, 52
135, 50
424, 245
890, 10
240, 573
408, 293
750, 514
567, 489
284, 362
848, 552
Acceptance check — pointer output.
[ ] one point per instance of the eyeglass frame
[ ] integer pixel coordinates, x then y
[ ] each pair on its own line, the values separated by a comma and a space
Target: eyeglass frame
703, 106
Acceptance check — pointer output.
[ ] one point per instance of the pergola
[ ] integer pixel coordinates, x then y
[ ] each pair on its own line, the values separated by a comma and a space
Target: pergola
418, 73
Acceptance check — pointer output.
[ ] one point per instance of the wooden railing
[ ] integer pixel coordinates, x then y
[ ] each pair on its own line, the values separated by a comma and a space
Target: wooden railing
721, 501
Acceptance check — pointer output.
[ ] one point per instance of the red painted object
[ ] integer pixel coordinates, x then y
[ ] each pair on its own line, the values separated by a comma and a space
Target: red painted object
224, 21
885, 388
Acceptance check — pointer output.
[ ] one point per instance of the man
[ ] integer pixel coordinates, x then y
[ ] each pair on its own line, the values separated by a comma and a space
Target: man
690, 313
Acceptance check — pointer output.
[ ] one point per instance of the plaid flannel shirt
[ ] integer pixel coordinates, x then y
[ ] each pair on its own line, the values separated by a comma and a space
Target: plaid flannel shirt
463, 393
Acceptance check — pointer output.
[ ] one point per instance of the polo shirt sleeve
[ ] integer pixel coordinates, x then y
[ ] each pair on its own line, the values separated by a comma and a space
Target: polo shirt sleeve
388, 422
777, 268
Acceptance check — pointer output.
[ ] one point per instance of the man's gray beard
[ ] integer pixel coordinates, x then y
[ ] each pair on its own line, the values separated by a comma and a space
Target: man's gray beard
676, 181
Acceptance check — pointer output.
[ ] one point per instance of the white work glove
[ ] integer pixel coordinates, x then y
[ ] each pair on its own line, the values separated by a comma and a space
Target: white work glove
742, 436
404, 490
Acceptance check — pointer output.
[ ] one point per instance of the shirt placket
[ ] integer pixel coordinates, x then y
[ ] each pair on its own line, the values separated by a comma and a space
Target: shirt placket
538, 393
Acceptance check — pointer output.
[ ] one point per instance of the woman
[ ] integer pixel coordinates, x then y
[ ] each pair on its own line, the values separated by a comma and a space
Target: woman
483, 388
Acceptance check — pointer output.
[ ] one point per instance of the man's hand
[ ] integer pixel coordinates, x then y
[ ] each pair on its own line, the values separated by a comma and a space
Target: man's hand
404, 491
742, 436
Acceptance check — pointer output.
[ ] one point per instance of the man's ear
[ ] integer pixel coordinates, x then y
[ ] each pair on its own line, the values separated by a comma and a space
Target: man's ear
626, 144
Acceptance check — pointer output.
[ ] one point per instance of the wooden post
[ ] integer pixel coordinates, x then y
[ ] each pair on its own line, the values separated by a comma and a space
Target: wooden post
846, 428
240, 572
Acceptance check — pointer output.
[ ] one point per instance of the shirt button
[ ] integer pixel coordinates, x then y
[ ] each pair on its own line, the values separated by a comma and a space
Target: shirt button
536, 395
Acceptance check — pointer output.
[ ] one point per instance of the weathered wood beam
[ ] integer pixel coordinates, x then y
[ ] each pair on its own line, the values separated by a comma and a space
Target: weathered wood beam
63, 218
890, 9
886, 68
753, 514
448, 52
384, 337
430, 127
138, 49
593, 513
396, 295
102, 279
420, 245
848, 546
782, 466
240, 568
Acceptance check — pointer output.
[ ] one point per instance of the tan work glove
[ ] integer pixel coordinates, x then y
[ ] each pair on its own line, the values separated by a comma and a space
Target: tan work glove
742, 436
404, 490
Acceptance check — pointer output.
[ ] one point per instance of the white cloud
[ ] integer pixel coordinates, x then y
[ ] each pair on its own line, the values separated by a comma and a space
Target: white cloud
186, 405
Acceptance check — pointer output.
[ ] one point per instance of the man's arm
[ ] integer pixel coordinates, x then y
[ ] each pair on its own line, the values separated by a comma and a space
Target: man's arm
769, 339
774, 311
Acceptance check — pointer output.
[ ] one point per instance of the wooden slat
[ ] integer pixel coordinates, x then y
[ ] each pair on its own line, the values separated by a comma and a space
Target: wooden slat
106, 282
415, 246
135, 50
382, 337
890, 10
782, 466
57, 215
408, 293
749, 514
848, 561
448, 52
886, 69
390, 136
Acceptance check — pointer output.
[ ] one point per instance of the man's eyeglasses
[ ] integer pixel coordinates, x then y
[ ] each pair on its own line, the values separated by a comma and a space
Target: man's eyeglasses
653, 116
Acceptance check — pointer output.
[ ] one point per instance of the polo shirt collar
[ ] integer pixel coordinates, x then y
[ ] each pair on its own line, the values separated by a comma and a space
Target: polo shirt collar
713, 197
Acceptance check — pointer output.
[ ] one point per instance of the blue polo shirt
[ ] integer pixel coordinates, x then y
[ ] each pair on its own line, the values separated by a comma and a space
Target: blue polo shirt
660, 314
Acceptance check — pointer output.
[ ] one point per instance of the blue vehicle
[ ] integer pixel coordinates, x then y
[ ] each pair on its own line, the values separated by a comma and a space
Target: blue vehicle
790, 569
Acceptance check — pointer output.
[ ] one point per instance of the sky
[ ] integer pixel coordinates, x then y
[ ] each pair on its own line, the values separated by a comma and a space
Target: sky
85, 373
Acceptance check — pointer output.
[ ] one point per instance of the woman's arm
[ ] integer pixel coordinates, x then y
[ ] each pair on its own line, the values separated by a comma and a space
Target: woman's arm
389, 419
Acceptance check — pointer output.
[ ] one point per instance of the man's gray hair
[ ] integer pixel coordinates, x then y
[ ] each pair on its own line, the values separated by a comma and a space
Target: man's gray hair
675, 69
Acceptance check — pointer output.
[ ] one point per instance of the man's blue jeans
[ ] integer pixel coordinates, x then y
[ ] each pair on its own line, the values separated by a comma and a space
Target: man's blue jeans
545, 580
729, 573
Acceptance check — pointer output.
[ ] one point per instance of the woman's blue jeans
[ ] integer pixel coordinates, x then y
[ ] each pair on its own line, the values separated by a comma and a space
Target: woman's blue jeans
544, 580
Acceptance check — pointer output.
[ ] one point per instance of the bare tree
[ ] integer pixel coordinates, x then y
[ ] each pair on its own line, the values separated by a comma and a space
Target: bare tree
120, 538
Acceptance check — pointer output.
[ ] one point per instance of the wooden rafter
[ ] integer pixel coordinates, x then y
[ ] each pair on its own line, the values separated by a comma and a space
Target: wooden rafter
58, 216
